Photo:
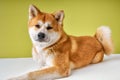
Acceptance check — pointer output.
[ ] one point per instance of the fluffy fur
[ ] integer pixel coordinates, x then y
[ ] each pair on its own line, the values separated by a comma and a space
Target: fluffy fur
60, 53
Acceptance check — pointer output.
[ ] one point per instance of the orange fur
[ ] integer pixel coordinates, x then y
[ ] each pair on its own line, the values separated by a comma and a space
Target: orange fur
104, 37
69, 52
80, 51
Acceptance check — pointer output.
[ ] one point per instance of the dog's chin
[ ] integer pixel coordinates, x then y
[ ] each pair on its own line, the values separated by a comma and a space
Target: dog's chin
43, 40
44, 43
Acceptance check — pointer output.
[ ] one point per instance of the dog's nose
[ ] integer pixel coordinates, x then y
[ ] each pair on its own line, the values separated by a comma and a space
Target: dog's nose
41, 35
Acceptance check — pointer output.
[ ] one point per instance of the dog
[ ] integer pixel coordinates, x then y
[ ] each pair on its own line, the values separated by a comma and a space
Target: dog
56, 52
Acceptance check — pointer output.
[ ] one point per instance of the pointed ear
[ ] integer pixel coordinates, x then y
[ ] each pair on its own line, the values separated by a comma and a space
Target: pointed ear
59, 16
33, 11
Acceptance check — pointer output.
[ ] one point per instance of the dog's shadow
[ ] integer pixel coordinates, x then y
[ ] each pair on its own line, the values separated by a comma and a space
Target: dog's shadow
115, 57
108, 60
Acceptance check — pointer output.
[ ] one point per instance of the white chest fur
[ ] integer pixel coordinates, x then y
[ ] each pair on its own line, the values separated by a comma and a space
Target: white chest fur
42, 57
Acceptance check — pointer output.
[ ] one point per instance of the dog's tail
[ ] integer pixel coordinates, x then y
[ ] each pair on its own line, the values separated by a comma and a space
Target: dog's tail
103, 34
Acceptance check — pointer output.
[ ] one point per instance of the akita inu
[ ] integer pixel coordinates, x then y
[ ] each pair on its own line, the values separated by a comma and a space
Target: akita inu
58, 53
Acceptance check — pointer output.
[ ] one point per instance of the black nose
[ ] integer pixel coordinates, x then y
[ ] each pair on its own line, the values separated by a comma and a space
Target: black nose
41, 35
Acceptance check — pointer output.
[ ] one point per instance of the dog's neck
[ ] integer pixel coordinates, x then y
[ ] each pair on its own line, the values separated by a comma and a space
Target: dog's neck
62, 39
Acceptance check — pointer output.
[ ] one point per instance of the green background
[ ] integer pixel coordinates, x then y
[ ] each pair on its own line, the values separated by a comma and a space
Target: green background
82, 17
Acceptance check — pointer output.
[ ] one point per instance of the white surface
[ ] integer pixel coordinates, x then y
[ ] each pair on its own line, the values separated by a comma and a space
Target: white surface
109, 69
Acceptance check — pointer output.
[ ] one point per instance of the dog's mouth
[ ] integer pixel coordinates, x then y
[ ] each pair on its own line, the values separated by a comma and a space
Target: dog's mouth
43, 40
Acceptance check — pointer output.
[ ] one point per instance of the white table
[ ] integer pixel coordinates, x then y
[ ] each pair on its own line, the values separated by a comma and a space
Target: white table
109, 69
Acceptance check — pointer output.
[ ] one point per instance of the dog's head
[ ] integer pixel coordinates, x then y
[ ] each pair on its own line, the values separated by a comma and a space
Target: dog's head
44, 28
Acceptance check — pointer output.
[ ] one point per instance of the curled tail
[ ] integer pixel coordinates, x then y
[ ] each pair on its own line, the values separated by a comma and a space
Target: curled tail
103, 34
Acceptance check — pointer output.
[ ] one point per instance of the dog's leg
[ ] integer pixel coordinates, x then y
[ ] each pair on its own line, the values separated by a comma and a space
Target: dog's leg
98, 57
60, 68
45, 74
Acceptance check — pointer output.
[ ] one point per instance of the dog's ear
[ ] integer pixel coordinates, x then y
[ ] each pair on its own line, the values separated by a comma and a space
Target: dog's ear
59, 16
33, 11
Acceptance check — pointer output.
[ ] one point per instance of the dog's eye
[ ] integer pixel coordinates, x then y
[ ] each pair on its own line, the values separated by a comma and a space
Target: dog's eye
49, 27
37, 26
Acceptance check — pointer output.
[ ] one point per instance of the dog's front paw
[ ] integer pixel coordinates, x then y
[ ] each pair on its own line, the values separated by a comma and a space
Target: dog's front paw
13, 78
